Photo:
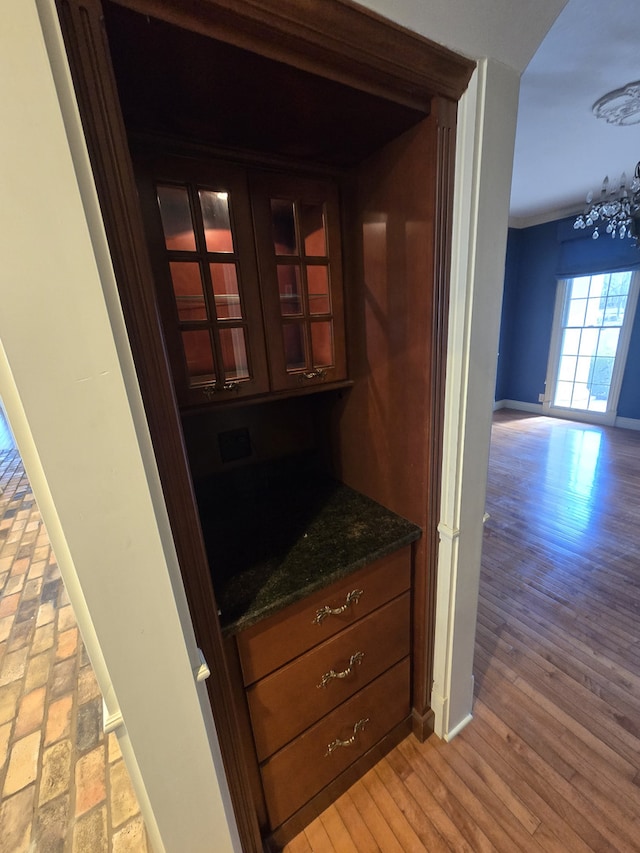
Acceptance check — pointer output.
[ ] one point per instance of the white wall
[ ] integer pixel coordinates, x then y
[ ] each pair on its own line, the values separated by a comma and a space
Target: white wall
67, 382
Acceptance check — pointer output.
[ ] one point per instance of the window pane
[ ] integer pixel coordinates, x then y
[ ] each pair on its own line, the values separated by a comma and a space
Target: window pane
570, 341
289, 287
580, 396
583, 369
594, 312
198, 356
599, 285
187, 289
224, 279
619, 284
567, 368
588, 341
563, 394
575, 312
176, 218
580, 288
322, 344
294, 352
284, 227
217, 225
598, 399
234, 354
318, 290
312, 230
614, 310
608, 343
601, 370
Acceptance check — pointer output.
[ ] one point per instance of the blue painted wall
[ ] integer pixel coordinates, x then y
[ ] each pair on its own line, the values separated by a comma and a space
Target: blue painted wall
536, 258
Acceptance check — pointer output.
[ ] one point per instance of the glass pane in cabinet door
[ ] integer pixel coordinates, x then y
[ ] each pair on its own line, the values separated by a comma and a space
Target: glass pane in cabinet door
234, 354
312, 230
294, 350
199, 356
289, 288
318, 290
187, 289
177, 224
216, 220
284, 227
224, 278
322, 344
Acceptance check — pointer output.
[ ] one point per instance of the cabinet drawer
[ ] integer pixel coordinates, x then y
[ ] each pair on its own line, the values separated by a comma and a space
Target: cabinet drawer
292, 698
278, 639
302, 768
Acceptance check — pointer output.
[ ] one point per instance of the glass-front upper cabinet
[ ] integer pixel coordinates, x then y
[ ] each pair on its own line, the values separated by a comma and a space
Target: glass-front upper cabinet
199, 219
299, 257
249, 277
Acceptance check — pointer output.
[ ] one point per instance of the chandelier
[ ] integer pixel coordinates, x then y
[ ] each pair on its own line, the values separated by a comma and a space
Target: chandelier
616, 211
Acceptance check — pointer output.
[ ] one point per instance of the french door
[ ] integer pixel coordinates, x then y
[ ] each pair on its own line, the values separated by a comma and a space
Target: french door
589, 343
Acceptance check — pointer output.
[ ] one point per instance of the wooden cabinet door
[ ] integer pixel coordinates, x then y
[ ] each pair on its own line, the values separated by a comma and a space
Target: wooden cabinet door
297, 230
198, 219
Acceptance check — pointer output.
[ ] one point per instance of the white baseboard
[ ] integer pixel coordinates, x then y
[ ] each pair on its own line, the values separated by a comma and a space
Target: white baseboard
627, 423
457, 729
441, 708
534, 408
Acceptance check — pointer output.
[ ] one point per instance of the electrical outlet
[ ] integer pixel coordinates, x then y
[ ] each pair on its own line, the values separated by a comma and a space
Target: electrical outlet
541, 398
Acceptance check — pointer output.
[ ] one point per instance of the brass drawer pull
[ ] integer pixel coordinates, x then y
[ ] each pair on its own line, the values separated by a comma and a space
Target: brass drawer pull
325, 611
359, 726
355, 658
318, 373
214, 388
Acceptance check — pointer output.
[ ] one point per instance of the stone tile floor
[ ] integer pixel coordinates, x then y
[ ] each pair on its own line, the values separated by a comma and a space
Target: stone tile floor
64, 787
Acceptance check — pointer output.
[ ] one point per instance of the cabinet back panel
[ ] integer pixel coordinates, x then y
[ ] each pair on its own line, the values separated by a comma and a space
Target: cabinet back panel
282, 428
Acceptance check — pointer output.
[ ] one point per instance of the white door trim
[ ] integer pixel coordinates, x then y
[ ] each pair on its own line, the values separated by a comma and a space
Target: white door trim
486, 134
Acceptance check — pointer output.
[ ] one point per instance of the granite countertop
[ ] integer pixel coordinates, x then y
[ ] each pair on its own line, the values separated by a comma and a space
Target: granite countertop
273, 540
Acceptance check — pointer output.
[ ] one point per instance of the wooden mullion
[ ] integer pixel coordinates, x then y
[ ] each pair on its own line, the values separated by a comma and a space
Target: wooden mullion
304, 286
209, 293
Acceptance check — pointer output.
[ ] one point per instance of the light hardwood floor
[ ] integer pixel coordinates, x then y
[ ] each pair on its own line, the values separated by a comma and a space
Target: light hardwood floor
551, 760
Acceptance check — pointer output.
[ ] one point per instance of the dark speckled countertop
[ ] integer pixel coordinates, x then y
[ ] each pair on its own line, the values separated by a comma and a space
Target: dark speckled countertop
273, 537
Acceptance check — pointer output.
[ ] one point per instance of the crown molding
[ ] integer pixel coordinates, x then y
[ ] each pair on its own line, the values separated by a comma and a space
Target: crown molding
544, 217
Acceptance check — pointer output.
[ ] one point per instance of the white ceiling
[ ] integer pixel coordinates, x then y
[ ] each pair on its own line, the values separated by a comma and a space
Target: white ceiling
562, 149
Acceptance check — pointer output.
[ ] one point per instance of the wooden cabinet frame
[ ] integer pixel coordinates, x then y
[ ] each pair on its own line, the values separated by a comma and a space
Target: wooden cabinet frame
344, 42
